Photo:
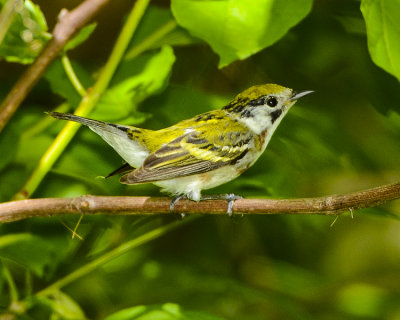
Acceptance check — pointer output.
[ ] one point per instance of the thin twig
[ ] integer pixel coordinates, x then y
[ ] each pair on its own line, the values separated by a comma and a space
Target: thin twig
329, 205
68, 25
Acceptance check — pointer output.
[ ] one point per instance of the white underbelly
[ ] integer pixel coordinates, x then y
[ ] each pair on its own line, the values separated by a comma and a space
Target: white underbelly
192, 185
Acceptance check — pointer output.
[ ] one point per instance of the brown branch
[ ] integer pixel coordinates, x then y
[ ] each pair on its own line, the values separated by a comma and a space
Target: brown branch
329, 205
68, 25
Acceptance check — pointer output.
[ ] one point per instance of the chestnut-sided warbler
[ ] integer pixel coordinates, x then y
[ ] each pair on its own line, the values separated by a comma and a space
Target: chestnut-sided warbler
202, 152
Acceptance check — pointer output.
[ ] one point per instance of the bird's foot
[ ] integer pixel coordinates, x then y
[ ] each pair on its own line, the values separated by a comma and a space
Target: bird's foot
174, 201
231, 200
230, 197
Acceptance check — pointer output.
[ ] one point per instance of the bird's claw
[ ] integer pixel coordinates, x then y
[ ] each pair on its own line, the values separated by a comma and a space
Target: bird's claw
174, 201
231, 200
230, 197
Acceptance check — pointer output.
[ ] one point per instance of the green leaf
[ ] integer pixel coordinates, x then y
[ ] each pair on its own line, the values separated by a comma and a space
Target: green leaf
167, 311
135, 80
236, 29
362, 300
37, 14
161, 22
383, 33
29, 250
82, 35
64, 306
61, 85
26, 35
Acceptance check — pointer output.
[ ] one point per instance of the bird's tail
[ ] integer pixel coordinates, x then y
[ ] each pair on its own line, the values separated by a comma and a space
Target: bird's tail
93, 124
72, 117
128, 141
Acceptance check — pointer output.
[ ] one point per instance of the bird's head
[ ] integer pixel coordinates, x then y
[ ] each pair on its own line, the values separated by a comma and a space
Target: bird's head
262, 107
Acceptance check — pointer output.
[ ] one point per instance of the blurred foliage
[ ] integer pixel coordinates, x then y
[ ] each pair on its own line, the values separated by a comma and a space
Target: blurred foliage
236, 29
167, 311
23, 30
343, 138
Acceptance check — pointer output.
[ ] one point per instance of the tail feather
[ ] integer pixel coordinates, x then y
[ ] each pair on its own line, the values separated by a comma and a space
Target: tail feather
91, 123
126, 140
72, 117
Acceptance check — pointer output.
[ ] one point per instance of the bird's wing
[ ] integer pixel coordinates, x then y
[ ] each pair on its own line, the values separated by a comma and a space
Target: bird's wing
187, 155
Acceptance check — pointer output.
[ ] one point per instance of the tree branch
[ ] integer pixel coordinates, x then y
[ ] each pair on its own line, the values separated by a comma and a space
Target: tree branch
68, 25
329, 205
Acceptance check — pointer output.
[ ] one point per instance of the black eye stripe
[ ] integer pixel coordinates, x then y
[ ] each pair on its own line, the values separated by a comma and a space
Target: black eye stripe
270, 101
238, 108
257, 102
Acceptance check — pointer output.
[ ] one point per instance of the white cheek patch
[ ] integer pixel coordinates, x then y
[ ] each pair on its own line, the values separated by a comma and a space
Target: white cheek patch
259, 120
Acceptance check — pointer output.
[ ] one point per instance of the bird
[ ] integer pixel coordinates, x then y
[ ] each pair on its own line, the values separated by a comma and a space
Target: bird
202, 152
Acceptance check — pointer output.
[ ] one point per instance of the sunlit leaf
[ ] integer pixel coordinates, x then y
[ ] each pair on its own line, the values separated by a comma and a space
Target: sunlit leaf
168, 311
26, 34
383, 33
236, 29
135, 80
63, 306
82, 35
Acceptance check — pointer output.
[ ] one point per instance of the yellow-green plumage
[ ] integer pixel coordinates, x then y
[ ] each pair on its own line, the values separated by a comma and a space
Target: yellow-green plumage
195, 145
204, 151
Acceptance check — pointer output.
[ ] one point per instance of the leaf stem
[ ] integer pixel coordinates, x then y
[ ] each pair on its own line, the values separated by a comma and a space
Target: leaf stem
73, 78
125, 247
87, 104
11, 284
150, 40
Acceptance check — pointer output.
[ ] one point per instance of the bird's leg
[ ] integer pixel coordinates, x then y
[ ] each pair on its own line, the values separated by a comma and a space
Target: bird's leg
230, 197
174, 201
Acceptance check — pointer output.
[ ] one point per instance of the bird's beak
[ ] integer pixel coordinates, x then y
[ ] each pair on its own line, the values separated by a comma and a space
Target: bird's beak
297, 95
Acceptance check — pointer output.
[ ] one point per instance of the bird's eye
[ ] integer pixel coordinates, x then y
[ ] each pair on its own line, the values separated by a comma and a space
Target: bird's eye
272, 102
